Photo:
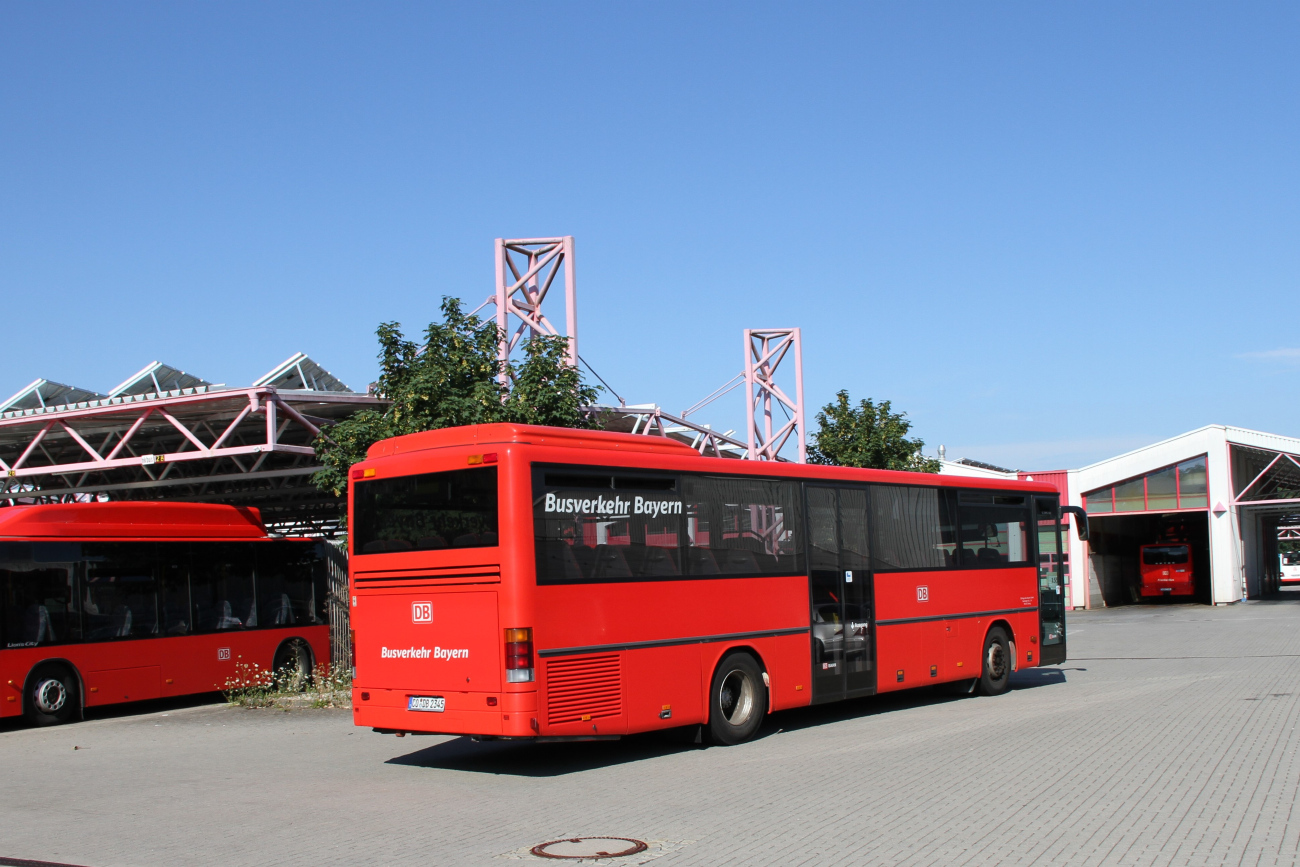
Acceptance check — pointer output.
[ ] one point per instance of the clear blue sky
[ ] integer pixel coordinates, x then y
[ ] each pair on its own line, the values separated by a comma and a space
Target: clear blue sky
1049, 232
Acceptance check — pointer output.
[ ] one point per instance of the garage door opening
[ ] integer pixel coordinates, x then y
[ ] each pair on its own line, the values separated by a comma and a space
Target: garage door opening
1115, 559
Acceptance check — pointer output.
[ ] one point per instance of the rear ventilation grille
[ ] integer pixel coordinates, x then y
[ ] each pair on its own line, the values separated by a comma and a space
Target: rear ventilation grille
589, 687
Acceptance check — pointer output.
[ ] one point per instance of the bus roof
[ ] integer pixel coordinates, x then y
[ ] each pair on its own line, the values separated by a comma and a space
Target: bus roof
486, 435
131, 520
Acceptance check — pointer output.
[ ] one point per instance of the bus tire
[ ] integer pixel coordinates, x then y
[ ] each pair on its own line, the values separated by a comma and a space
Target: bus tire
291, 666
996, 676
53, 695
737, 699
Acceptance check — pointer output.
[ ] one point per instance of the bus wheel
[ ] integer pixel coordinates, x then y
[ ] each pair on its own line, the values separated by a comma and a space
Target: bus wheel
997, 663
737, 700
53, 696
291, 666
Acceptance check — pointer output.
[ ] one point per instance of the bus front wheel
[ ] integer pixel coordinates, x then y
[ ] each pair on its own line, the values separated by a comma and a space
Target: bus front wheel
52, 696
737, 700
996, 676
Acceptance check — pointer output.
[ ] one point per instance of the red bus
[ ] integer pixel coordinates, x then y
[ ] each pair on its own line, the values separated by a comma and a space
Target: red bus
112, 602
1166, 569
528, 582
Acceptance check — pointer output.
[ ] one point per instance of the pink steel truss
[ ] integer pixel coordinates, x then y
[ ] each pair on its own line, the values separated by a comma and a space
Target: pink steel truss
765, 349
244, 445
526, 269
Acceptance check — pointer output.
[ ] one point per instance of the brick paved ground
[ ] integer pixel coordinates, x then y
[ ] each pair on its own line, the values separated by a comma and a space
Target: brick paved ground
1169, 738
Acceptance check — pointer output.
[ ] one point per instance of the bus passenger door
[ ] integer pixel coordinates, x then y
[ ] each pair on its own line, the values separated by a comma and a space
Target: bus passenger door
859, 598
841, 597
1051, 581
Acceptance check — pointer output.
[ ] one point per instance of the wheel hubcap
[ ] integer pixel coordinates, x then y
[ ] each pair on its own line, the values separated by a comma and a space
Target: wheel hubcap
997, 661
50, 696
736, 697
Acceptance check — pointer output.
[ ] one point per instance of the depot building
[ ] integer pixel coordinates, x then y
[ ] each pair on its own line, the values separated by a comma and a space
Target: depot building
1226, 493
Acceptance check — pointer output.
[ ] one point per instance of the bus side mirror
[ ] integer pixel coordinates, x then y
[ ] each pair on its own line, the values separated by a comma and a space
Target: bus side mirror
1080, 520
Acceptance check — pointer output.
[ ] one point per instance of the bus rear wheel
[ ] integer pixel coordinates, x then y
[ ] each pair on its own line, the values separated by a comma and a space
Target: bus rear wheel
52, 696
737, 700
291, 667
996, 676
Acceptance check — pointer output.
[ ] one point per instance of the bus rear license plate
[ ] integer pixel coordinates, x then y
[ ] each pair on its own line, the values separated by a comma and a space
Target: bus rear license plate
435, 703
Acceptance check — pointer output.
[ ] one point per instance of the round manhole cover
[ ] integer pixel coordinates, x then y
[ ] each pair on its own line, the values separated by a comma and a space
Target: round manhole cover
579, 848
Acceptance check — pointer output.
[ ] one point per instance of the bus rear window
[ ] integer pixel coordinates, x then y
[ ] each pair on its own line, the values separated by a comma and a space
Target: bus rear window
1165, 556
428, 512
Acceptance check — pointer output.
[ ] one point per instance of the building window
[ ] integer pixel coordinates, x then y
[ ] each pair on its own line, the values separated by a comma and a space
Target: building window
1180, 486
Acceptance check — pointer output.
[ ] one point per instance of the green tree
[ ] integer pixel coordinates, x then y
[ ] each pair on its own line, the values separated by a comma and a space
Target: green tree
454, 380
869, 435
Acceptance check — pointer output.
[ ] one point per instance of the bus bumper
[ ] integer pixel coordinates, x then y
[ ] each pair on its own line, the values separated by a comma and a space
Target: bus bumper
466, 713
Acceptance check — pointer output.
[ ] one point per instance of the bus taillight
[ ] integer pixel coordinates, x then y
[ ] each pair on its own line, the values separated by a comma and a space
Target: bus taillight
519, 655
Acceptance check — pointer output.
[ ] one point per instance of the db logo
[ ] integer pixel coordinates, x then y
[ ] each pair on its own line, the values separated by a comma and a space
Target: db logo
223, 653
421, 612
922, 594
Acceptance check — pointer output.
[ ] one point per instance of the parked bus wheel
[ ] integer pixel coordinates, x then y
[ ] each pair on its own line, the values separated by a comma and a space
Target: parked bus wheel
53, 696
996, 677
737, 701
292, 665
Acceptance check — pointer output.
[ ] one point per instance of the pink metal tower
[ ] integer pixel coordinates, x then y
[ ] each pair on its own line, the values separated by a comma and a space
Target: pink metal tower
765, 349
526, 268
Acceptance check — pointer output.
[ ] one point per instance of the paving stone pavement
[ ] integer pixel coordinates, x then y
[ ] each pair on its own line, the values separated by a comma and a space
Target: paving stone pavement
1168, 738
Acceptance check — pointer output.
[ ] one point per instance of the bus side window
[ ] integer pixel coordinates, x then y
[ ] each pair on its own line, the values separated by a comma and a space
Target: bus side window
37, 596
286, 589
741, 526
120, 590
174, 587
911, 527
994, 529
221, 586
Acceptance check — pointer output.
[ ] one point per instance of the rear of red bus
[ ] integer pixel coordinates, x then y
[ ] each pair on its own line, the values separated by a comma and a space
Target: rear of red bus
440, 619
1166, 570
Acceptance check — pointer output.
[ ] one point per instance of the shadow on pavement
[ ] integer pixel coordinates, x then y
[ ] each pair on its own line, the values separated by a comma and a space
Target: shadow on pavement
129, 709
527, 759
1030, 678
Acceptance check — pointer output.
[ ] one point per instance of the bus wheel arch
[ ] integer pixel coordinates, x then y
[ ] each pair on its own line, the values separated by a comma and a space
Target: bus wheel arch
739, 696
54, 693
294, 662
997, 659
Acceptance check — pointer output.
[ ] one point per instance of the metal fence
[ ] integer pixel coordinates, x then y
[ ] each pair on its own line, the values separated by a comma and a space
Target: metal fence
336, 565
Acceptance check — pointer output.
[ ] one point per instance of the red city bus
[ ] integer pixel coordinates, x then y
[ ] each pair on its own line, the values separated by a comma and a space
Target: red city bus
527, 582
1166, 569
111, 602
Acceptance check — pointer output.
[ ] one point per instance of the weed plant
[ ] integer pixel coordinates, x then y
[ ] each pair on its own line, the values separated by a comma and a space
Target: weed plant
253, 686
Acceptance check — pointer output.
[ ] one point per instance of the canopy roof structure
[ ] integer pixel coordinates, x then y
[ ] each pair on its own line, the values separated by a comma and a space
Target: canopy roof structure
167, 434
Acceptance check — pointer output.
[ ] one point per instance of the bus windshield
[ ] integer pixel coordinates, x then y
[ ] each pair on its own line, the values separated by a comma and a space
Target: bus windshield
1165, 555
454, 509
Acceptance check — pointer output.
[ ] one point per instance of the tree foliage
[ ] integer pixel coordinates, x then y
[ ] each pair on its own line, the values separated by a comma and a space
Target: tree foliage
869, 435
452, 379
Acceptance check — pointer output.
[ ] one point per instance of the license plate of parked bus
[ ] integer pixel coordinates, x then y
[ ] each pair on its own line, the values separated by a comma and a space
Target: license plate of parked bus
435, 703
